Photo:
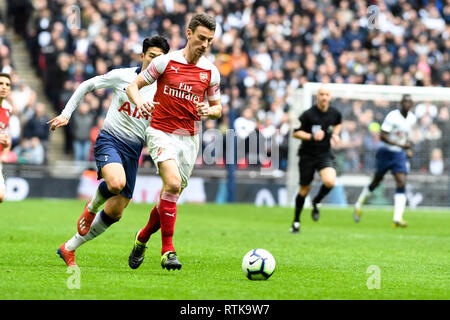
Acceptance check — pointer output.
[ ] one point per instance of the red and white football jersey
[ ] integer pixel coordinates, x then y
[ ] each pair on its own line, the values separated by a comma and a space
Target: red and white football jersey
5, 111
179, 85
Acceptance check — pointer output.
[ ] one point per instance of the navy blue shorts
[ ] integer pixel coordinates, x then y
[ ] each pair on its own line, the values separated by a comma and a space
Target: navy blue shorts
390, 160
108, 149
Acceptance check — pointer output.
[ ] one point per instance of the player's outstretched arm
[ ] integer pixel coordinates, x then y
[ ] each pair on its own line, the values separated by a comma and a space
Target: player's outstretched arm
135, 97
58, 122
107, 80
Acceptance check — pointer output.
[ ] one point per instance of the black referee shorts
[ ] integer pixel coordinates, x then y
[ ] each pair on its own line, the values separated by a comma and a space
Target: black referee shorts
309, 164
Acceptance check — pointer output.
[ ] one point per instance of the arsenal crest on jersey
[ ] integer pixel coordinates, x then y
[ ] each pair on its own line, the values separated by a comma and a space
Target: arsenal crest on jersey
203, 76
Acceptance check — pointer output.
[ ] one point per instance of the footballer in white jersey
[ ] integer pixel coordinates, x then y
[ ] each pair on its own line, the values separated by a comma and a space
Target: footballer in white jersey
123, 121
398, 128
117, 148
392, 155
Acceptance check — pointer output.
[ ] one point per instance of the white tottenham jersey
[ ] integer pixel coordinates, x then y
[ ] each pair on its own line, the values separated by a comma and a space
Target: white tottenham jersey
123, 120
398, 127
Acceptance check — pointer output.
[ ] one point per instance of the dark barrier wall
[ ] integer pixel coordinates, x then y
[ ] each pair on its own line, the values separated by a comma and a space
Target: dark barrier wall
199, 190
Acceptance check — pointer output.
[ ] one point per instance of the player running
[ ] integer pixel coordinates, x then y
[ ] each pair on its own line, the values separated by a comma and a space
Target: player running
184, 78
5, 138
392, 155
117, 148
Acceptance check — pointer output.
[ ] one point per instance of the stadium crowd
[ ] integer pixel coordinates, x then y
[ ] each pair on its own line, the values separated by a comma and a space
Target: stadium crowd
264, 51
27, 126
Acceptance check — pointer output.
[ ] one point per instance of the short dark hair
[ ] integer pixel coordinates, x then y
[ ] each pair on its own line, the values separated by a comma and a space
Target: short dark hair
204, 20
155, 41
406, 96
6, 75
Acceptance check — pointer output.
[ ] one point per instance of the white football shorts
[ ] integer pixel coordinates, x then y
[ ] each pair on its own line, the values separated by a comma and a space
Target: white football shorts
163, 146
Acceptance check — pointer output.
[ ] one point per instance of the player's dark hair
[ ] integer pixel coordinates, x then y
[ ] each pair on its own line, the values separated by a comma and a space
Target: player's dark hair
204, 20
6, 75
155, 41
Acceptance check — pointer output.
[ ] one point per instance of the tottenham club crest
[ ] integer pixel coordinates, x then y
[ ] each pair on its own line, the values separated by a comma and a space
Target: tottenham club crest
203, 76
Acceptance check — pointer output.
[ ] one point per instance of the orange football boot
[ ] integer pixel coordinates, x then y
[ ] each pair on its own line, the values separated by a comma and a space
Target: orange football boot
67, 256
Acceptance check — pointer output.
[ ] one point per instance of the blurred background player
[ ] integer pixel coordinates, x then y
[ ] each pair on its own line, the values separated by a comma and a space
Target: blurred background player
319, 125
392, 155
117, 148
184, 78
5, 138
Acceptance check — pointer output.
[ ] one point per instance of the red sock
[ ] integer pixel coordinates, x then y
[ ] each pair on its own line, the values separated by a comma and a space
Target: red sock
167, 217
151, 227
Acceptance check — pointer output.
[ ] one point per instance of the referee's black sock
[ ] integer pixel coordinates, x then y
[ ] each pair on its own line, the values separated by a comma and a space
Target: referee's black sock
322, 193
299, 202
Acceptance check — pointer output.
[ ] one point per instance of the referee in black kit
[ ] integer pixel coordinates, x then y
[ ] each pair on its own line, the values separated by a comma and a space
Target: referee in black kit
320, 126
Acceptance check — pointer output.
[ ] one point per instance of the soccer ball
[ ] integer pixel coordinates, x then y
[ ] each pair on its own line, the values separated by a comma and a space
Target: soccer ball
258, 264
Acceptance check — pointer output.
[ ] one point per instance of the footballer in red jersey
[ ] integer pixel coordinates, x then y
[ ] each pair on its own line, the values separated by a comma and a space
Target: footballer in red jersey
184, 79
5, 138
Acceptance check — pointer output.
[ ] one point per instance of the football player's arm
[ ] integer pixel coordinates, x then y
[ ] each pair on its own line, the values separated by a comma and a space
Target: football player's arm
384, 136
136, 98
214, 108
213, 111
335, 138
107, 80
6, 142
302, 135
301, 132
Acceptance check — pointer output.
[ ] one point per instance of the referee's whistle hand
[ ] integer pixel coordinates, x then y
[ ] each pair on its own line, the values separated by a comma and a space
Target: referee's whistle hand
319, 135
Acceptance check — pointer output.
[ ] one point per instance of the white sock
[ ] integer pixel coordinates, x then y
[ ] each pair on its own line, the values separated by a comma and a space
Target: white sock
75, 242
365, 193
98, 226
399, 206
96, 202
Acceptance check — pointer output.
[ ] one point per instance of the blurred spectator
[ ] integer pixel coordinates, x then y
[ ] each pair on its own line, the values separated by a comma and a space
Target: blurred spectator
443, 122
81, 123
348, 149
30, 151
15, 127
22, 95
36, 151
95, 130
372, 142
37, 126
426, 108
245, 124
436, 166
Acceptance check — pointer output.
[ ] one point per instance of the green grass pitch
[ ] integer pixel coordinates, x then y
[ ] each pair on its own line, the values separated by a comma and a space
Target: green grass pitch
328, 260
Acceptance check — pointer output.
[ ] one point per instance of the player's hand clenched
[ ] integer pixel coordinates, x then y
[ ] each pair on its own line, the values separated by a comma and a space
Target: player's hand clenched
202, 109
4, 140
146, 107
319, 135
57, 122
